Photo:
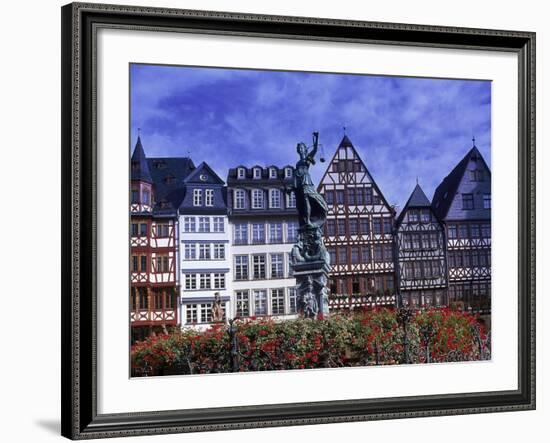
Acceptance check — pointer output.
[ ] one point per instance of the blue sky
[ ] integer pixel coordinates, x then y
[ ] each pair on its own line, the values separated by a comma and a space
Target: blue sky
403, 128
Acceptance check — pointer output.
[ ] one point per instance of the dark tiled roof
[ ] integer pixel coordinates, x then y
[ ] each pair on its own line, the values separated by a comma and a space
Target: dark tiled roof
345, 143
445, 192
417, 199
264, 179
139, 167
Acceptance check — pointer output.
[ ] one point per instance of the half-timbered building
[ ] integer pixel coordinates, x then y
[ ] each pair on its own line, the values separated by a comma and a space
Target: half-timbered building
264, 224
463, 202
420, 248
358, 233
153, 242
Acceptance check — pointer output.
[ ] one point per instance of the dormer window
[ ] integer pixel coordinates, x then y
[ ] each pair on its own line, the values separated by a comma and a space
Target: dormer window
169, 180
240, 172
288, 172
257, 173
209, 197
164, 204
159, 164
272, 173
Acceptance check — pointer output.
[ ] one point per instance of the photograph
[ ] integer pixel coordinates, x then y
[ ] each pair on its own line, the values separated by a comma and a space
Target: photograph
293, 220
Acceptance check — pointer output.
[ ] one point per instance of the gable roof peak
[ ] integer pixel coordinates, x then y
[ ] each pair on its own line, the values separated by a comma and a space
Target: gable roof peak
418, 198
346, 142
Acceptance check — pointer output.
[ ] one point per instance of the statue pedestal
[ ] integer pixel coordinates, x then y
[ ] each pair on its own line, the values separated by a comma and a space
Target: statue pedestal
311, 287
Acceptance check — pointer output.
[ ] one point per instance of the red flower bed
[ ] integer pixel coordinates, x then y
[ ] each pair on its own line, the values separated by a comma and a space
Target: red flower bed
363, 338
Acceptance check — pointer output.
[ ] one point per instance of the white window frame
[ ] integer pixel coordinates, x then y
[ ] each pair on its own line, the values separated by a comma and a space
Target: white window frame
219, 251
205, 280
190, 281
189, 224
204, 222
288, 172
197, 197
272, 231
291, 200
277, 295
257, 173
264, 298
239, 199
204, 251
190, 251
272, 173
257, 199
209, 197
280, 264
241, 173
219, 280
277, 194
242, 297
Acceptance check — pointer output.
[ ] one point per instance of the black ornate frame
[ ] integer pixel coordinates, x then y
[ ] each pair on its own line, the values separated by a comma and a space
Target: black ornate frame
79, 171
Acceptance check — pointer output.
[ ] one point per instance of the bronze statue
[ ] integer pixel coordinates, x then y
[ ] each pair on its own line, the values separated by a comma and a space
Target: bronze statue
217, 310
312, 208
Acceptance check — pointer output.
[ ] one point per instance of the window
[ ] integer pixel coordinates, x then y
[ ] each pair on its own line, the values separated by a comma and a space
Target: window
413, 216
239, 202
197, 197
365, 254
243, 304
467, 201
388, 252
204, 281
240, 172
355, 254
364, 226
257, 173
288, 172
359, 196
452, 232
135, 263
368, 196
329, 197
135, 196
486, 201
474, 230
190, 281
143, 263
476, 175
218, 224
219, 251
351, 196
277, 302
191, 314
291, 200
162, 264
209, 197
353, 226
339, 197
425, 216
331, 227
206, 312
377, 225
204, 251
135, 229
143, 229
355, 286
241, 267
434, 240
146, 197
342, 255
463, 231
260, 302
486, 231
292, 302
190, 251
274, 198
415, 238
332, 253
162, 230
219, 281
257, 199
387, 225
241, 234
275, 232
277, 266
272, 173
258, 233
258, 263
189, 224
378, 257
407, 241
292, 233
204, 224
143, 299
341, 227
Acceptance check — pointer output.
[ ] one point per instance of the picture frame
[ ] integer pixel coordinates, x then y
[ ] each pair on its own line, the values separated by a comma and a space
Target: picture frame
80, 176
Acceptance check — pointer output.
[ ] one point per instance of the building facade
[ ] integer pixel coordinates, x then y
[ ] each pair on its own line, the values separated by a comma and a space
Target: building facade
204, 247
463, 202
358, 233
420, 251
153, 249
264, 226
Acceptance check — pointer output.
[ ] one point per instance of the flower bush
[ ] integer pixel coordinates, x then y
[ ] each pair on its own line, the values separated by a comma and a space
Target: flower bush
369, 337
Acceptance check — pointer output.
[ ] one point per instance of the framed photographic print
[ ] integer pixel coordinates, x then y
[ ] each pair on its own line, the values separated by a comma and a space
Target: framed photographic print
289, 220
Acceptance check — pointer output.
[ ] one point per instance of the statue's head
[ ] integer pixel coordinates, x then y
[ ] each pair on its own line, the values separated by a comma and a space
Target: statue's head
302, 149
